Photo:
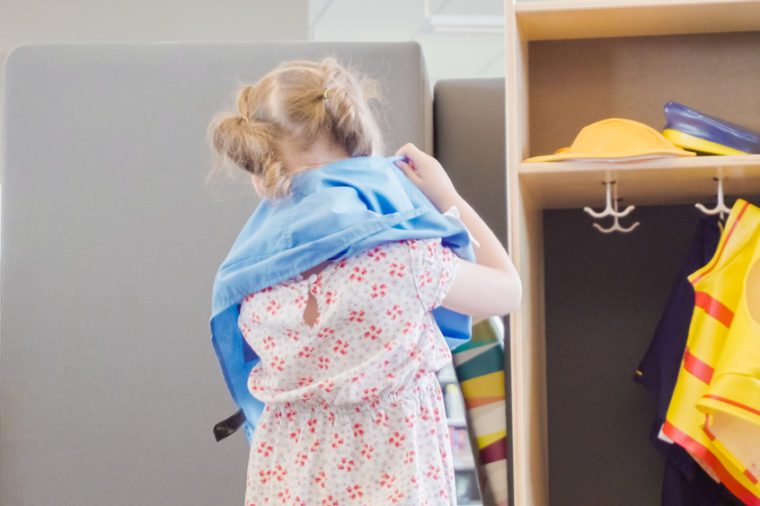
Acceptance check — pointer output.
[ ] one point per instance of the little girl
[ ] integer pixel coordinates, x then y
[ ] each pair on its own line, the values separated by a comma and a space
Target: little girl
349, 348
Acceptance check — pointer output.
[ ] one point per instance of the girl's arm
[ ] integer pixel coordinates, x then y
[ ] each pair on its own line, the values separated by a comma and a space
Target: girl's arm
490, 286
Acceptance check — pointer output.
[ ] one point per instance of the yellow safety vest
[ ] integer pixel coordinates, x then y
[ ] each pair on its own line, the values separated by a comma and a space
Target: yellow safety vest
715, 410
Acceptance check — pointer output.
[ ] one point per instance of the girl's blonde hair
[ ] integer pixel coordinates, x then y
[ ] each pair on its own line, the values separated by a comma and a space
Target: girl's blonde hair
299, 99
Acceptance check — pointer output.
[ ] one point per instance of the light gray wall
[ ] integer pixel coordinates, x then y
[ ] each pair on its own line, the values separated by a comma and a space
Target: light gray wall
45, 21
110, 242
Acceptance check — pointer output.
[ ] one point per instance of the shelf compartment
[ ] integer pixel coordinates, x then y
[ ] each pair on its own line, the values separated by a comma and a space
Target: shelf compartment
575, 19
562, 185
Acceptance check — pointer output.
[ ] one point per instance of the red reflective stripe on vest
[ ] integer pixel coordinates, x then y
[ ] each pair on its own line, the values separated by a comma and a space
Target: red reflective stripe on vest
714, 308
701, 370
733, 403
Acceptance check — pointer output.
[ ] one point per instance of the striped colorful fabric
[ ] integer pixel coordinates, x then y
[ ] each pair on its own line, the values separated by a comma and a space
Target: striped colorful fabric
479, 366
715, 410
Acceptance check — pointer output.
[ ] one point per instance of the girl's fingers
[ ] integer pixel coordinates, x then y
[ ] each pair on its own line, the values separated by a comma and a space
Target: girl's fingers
407, 169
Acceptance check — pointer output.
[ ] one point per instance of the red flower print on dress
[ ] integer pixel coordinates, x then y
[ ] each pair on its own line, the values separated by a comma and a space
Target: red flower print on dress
329, 501
367, 451
377, 253
341, 347
273, 306
326, 332
394, 312
397, 270
336, 440
381, 419
356, 316
316, 285
396, 439
268, 342
306, 351
336, 447
300, 301
424, 278
354, 491
264, 475
358, 274
264, 449
378, 290
369, 393
346, 464
355, 379
293, 334
279, 472
432, 472
396, 496
277, 363
373, 332
387, 480
284, 495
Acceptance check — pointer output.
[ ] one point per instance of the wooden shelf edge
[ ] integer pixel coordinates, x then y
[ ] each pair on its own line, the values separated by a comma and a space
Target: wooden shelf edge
563, 185
572, 19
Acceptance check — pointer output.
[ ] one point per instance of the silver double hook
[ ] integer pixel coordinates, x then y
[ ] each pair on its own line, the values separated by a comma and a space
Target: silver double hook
611, 209
720, 207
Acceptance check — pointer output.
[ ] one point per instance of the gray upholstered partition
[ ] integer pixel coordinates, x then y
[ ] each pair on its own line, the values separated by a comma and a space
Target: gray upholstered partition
469, 140
109, 386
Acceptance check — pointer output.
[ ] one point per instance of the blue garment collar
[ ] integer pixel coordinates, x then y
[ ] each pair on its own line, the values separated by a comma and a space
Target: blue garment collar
335, 210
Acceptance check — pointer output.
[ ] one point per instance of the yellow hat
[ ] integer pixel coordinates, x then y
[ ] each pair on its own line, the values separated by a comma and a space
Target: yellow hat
615, 138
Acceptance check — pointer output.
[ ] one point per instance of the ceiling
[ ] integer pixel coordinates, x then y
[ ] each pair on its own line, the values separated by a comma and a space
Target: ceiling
464, 48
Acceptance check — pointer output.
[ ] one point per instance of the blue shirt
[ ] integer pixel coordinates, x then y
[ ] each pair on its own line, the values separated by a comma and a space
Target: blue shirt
336, 210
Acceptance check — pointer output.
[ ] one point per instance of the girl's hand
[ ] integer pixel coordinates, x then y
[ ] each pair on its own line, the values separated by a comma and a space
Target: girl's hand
429, 176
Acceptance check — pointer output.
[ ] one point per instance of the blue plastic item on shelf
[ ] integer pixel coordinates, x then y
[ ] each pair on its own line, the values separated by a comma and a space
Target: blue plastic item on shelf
697, 131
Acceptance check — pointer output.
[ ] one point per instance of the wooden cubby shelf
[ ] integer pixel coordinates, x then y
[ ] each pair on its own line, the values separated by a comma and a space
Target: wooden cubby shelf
569, 63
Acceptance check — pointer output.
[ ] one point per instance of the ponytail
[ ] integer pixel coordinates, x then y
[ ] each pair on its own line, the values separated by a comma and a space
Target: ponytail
299, 99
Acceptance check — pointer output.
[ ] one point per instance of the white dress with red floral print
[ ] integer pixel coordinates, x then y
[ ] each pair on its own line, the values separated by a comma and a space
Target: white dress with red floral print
354, 412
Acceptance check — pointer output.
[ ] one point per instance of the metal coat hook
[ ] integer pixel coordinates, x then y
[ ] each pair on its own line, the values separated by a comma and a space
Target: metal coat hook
721, 206
616, 223
612, 210
609, 210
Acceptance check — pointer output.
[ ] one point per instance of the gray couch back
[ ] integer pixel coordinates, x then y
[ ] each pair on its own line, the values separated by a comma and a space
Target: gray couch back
110, 242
